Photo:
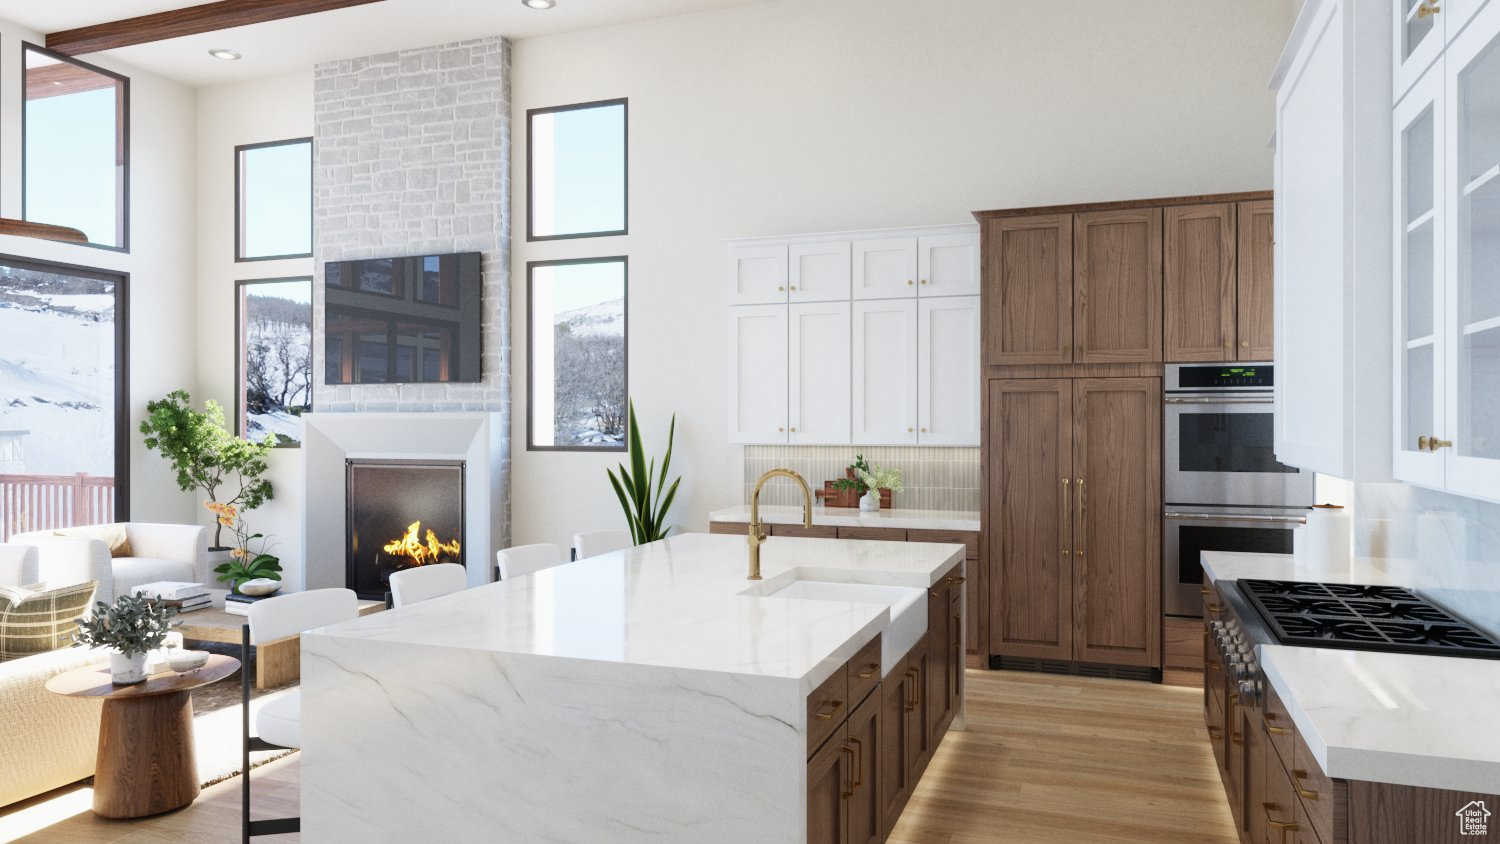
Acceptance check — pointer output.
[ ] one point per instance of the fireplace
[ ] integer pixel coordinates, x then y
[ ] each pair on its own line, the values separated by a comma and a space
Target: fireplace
401, 514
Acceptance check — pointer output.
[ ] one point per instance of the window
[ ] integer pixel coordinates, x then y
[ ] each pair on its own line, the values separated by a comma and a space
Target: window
75, 169
273, 200
576, 170
577, 352
63, 423
274, 362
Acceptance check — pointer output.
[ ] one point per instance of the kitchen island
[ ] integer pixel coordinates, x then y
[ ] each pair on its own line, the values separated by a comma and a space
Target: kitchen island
652, 694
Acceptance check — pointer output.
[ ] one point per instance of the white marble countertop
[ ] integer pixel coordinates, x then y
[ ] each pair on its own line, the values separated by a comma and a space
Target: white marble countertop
781, 514
1396, 718
682, 603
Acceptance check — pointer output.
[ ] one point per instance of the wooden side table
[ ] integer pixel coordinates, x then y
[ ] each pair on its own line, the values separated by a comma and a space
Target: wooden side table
145, 763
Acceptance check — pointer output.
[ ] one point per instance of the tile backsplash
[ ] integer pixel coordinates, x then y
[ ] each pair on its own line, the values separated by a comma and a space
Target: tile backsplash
935, 478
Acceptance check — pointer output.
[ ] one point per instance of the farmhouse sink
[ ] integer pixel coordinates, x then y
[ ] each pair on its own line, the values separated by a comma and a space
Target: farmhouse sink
908, 610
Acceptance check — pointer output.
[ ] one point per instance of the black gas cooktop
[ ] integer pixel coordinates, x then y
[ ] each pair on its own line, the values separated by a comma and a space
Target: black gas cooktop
1370, 618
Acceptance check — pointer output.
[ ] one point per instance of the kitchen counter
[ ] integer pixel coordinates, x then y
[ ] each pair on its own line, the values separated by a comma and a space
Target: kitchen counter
780, 514
652, 694
1395, 718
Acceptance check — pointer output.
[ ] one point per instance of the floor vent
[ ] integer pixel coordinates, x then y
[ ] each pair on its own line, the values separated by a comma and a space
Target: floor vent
1076, 669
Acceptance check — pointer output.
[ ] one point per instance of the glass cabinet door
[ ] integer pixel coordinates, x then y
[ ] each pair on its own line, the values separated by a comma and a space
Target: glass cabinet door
1419, 211
1473, 90
1419, 39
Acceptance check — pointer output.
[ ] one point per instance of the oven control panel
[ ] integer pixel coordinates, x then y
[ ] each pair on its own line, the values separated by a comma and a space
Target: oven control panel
1223, 376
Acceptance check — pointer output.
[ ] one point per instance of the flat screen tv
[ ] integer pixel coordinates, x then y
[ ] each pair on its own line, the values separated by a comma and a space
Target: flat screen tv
411, 320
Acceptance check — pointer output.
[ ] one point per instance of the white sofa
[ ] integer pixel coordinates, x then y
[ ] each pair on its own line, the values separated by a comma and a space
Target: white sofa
46, 740
159, 552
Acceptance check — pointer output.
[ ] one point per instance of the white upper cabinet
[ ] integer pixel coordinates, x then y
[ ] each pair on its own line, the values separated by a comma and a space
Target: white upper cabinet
948, 370
948, 265
1422, 29
818, 272
757, 274
758, 374
885, 268
1333, 250
885, 372
818, 373
1417, 309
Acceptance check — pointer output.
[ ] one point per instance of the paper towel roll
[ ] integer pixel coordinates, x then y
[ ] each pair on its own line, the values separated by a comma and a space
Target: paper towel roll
1322, 545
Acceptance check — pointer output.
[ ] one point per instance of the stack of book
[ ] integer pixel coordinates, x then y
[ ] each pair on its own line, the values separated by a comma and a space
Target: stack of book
183, 597
240, 604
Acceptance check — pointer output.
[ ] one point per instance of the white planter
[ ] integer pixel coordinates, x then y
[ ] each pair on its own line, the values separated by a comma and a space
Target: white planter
126, 669
870, 501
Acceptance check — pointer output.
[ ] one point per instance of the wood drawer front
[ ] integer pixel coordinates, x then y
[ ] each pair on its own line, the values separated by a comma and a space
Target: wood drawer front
740, 528
827, 709
886, 534
1314, 787
814, 532
864, 671
1278, 725
968, 539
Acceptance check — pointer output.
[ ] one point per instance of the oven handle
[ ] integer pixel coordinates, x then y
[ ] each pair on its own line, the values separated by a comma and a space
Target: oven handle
1221, 400
1210, 517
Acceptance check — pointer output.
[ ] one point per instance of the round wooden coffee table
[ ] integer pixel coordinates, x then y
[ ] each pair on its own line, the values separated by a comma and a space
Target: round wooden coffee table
145, 763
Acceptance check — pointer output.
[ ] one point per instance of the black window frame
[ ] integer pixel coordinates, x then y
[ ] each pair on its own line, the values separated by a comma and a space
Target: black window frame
123, 126
239, 206
121, 280
531, 266
531, 236
240, 286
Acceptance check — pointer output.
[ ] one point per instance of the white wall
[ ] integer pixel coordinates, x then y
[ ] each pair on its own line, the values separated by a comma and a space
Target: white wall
162, 293
803, 116
274, 109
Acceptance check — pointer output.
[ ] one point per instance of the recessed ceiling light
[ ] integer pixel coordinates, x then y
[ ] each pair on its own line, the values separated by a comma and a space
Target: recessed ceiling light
226, 55
539, 4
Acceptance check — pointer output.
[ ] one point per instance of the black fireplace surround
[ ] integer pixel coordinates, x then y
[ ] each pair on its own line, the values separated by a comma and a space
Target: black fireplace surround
400, 514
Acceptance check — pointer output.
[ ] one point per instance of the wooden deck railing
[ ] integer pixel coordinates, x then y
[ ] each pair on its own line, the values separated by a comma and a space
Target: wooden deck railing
43, 502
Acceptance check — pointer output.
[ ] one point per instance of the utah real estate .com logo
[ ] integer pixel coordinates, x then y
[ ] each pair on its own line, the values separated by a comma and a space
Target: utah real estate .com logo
1473, 819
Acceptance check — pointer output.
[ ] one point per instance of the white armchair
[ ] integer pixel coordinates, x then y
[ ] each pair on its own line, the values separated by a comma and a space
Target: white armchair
158, 552
18, 565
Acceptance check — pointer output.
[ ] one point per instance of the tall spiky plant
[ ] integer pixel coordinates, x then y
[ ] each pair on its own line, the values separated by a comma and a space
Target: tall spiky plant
645, 508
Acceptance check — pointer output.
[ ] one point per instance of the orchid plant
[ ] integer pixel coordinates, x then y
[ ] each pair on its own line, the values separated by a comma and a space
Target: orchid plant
244, 564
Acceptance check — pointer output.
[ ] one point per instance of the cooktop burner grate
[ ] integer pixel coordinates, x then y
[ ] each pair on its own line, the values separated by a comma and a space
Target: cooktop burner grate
1357, 617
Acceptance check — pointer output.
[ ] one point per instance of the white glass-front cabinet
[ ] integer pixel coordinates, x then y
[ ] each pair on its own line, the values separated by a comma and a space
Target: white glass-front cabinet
1472, 288
1422, 29
818, 354
948, 370
1418, 315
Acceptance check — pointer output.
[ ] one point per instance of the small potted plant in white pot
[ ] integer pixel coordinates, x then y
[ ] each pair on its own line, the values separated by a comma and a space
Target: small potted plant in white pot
131, 627
874, 479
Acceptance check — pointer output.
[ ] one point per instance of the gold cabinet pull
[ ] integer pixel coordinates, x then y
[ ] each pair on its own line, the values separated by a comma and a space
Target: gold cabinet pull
1244, 344
781, 288
1298, 777
1214, 666
832, 708
1215, 608
908, 283
911, 700
869, 672
849, 750
1267, 719
957, 578
924, 281
1427, 10
1236, 737
1284, 826
1434, 444
859, 761
1204, 590
1083, 514
793, 287
1067, 514
1215, 733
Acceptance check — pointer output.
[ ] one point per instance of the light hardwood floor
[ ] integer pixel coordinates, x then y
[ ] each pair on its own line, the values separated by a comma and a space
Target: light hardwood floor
1045, 759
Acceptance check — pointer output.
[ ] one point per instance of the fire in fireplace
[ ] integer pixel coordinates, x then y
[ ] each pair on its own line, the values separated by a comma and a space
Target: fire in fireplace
401, 513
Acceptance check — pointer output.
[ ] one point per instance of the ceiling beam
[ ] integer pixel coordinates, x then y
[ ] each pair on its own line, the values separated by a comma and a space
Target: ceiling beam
193, 20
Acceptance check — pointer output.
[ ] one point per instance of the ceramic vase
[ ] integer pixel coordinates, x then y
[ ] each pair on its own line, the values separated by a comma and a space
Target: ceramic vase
126, 669
870, 501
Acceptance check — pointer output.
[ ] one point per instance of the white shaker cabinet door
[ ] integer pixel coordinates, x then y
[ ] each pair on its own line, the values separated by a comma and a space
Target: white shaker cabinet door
885, 372
757, 274
948, 265
818, 374
1419, 28
818, 272
948, 371
757, 374
885, 268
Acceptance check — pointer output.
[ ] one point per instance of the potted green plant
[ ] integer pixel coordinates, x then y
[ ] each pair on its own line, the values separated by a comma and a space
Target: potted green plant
247, 571
645, 508
131, 627
875, 479
206, 455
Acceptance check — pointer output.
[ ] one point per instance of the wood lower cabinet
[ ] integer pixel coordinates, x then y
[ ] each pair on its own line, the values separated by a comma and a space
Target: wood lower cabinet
1074, 498
830, 773
898, 773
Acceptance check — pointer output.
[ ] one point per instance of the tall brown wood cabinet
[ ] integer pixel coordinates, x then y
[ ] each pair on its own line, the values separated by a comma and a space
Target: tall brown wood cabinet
1075, 490
1083, 305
